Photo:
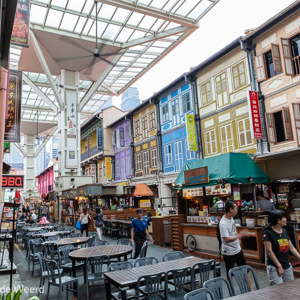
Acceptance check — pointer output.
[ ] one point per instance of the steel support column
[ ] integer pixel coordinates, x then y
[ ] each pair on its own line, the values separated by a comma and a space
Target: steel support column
29, 165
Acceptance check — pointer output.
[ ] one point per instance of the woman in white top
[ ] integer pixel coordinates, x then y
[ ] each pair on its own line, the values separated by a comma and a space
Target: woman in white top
85, 221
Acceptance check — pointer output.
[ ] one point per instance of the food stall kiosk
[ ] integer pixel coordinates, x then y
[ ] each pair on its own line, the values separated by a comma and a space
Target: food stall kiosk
201, 184
69, 206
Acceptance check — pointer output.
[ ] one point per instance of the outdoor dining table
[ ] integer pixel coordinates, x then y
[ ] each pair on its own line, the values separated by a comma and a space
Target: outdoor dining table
120, 221
287, 290
69, 241
112, 251
125, 279
32, 229
51, 233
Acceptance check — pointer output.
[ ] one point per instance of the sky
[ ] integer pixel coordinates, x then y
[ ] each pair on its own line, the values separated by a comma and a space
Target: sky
224, 23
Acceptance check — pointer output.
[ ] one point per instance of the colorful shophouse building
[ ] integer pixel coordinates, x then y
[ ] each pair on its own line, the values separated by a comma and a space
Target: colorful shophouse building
121, 141
223, 83
96, 145
274, 54
175, 103
145, 145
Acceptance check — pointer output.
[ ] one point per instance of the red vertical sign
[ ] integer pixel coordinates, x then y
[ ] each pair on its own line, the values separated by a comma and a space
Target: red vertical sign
255, 121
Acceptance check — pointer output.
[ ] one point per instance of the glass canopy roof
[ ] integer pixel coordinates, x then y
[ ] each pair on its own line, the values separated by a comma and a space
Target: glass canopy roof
144, 30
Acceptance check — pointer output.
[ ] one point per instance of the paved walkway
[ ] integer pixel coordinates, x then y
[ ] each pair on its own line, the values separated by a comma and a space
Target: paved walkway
25, 278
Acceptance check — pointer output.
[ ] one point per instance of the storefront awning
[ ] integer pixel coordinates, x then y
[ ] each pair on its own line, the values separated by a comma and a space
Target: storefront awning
231, 167
142, 190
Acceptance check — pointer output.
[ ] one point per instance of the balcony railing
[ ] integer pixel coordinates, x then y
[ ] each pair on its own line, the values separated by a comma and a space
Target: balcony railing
296, 62
90, 153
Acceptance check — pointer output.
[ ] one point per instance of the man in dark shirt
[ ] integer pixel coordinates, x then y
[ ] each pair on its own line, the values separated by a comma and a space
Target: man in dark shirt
263, 204
139, 230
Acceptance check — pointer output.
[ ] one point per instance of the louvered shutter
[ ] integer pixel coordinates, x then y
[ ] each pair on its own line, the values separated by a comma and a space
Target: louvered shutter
122, 141
276, 58
118, 138
287, 123
271, 128
287, 57
296, 108
113, 138
260, 68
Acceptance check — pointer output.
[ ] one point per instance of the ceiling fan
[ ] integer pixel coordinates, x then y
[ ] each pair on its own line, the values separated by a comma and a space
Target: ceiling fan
95, 54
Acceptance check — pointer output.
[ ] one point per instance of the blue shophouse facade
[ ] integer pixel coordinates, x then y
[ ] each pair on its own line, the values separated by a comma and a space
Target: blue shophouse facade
174, 105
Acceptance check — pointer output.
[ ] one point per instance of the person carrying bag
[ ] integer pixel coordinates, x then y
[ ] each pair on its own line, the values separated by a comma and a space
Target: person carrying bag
85, 221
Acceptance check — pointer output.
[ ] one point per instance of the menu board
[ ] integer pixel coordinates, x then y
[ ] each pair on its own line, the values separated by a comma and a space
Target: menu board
193, 192
218, 190
8, 210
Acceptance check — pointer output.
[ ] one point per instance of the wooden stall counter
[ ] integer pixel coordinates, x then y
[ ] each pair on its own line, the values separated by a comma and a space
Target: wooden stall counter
207, 243
161, 230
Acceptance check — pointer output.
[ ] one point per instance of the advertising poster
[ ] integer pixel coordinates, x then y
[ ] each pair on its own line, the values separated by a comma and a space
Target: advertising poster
13, 121
20, 32
191, 132
108, 168
256, 129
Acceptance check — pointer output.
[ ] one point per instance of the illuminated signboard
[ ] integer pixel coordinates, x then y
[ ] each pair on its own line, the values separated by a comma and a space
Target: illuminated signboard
12, 181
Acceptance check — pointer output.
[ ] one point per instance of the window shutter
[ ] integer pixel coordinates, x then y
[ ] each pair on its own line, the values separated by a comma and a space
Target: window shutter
118, 138
122, 141
296, 107
287, 123
271, 128
287, 57
260, 68
276, 58
113, 138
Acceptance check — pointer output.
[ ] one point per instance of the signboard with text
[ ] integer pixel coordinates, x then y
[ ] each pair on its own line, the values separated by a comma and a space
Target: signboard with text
108, 167
13, 121
12, 181
100, 138
196, 176
20, 32
191, 132
256, 129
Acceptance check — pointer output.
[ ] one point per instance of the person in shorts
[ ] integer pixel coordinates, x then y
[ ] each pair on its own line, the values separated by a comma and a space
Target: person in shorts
278, 245
231, 249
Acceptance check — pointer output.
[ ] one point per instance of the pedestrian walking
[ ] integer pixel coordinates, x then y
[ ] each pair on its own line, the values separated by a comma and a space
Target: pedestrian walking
85, 222
139, 230
231, 249
98, 218
278, 245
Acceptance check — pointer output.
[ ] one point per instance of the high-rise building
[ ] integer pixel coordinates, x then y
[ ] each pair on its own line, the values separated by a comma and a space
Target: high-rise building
130, 99
14, 158
54, 148
40, 160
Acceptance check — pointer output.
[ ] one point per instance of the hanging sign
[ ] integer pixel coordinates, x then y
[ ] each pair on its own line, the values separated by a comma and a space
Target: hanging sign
100, 138
108, 168
191, 132
196, 176
6, 148
13, 121
254, 114
71, 111
20, 32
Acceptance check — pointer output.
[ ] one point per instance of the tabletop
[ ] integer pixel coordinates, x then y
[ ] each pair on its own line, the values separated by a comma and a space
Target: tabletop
287, 290
69, 241
119, 221
51, 233
32, 229
129, 277
109, 250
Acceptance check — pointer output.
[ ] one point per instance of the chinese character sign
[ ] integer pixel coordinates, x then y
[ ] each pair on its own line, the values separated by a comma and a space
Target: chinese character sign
71, 116
14, 92
191, 132
20, 33
256, 130
108, 168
